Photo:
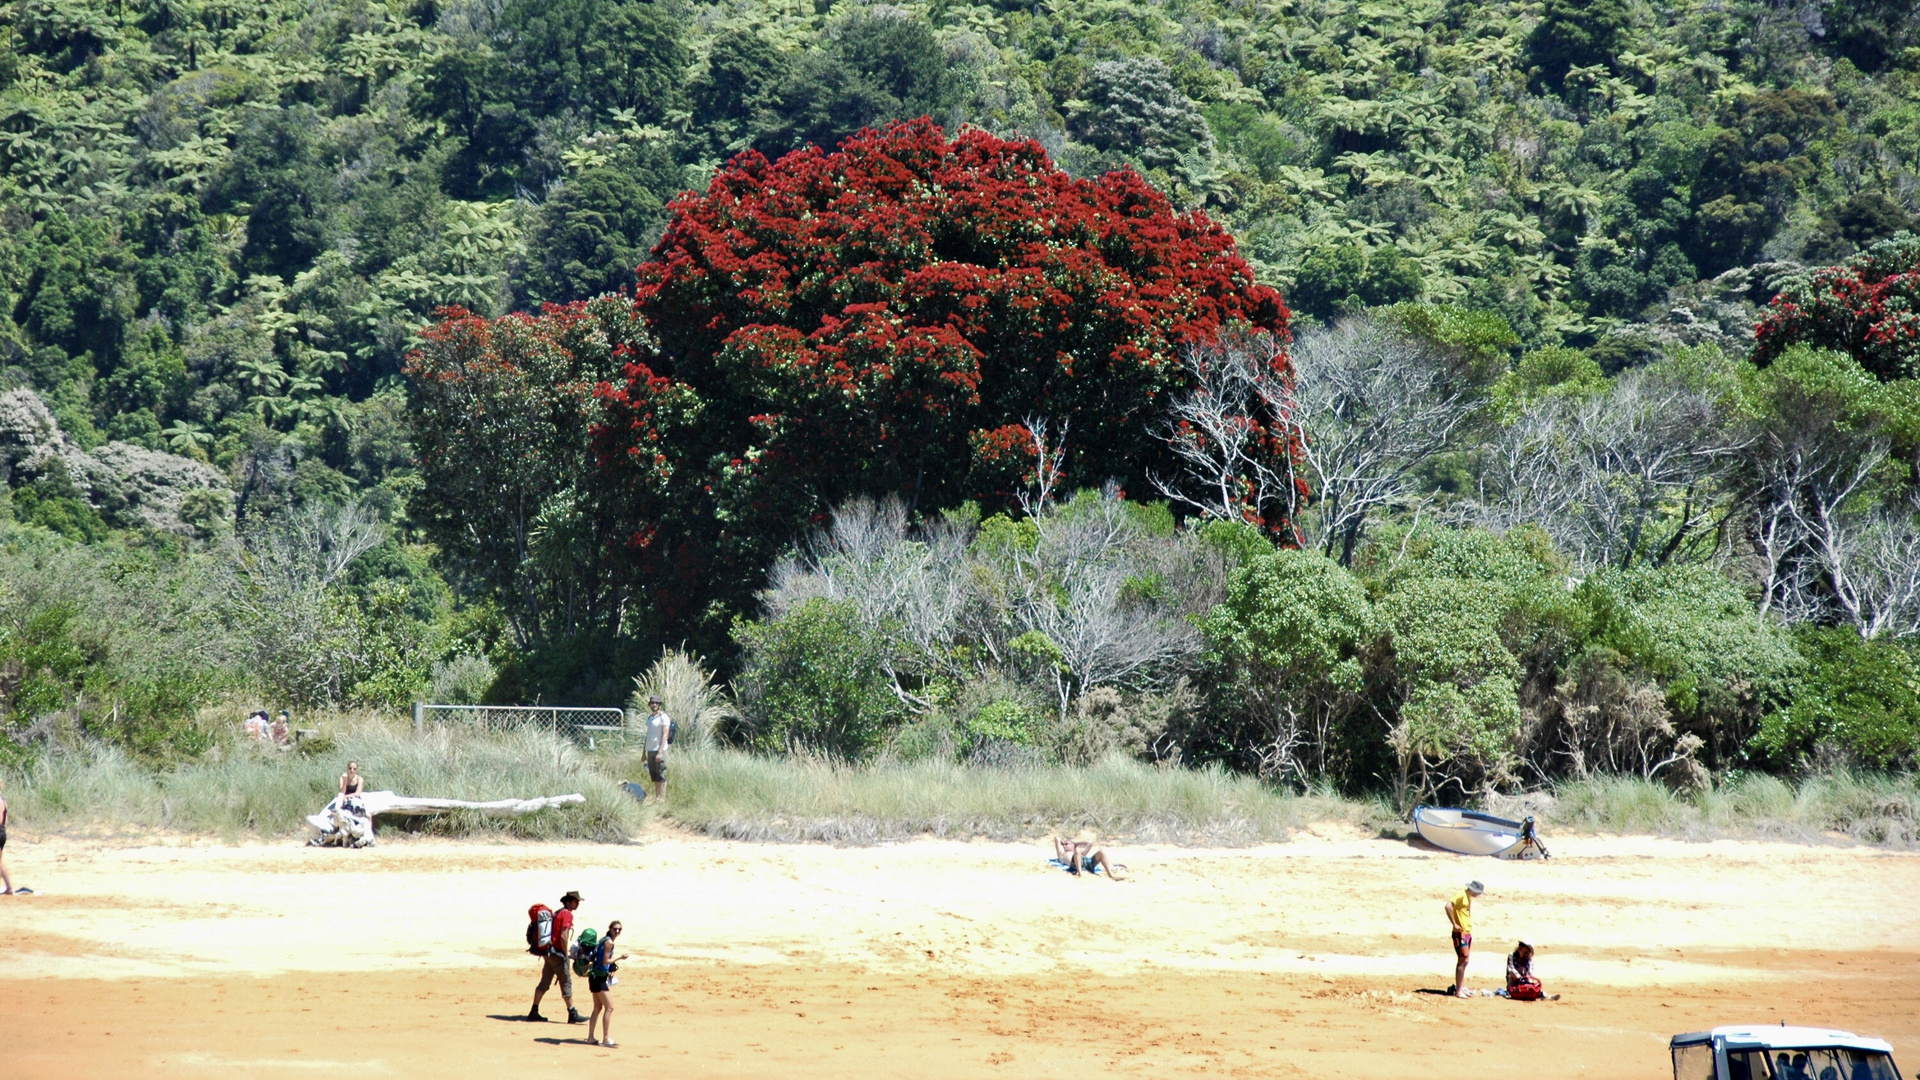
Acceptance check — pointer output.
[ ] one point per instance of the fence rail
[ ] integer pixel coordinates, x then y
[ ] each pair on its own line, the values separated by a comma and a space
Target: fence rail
578, 723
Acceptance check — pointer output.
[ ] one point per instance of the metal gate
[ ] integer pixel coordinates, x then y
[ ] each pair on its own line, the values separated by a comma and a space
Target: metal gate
579, 724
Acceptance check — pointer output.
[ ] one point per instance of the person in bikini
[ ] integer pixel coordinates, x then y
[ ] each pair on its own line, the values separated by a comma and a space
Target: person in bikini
351, 783
1082, 853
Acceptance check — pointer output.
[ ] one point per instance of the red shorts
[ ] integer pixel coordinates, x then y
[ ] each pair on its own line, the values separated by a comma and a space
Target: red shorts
1462, 942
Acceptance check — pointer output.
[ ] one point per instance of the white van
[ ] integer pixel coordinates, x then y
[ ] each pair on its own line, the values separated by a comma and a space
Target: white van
1781, 1053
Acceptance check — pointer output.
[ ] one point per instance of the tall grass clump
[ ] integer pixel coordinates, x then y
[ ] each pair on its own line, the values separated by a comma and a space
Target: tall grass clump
1874, 808
744, 796
688, 694
244, 789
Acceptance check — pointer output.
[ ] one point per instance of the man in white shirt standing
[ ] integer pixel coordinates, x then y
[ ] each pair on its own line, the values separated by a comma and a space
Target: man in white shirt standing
659, 738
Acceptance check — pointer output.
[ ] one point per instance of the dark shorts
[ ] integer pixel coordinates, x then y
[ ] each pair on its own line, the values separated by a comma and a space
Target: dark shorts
1462, 942
598, 983
3, 838
656, 767
556, 967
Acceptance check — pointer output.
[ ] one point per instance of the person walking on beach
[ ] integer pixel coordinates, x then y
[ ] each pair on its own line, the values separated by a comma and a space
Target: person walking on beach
554, 965
600, 981
1460, 913
4, 879
659, 738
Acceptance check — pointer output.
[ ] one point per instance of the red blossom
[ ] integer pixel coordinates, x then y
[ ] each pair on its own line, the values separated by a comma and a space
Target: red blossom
1868, 306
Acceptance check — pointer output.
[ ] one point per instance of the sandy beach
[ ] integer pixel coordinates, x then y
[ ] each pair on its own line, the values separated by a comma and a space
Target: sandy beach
1320, 957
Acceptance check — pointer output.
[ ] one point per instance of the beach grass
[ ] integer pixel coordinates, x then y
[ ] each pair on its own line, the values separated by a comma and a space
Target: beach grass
242, 789
726, 793
1872, 808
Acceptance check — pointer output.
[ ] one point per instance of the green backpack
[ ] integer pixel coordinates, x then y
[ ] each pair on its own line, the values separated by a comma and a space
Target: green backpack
583, 952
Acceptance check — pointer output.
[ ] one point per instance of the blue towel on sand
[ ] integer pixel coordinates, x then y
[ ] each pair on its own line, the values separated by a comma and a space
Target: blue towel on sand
1063, 866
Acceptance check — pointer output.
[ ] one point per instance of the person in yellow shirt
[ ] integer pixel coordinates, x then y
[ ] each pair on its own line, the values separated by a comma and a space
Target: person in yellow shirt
1460, 913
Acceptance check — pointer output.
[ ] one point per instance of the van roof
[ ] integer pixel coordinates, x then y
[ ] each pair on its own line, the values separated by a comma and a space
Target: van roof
1779, 1036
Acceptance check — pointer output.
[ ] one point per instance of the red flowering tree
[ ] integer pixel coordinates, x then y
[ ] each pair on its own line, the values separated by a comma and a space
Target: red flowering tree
877, 320
865, 320
1868, 306
503, 415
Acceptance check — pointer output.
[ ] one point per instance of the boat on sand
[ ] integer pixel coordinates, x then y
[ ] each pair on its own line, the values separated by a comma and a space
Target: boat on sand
1470, 832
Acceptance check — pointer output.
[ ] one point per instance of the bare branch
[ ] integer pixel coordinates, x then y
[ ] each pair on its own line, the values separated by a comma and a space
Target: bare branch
1374, 405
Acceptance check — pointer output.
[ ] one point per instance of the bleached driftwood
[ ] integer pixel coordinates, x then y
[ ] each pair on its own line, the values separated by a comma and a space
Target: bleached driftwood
375, 803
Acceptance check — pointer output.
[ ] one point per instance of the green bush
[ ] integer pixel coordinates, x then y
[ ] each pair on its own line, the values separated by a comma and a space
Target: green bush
1692, 629
105, 645
1287, 647
1860, 698
816, 680
1007, 722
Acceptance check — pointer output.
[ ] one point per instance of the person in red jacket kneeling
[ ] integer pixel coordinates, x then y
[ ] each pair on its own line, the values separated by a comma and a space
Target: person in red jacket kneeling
1522, 984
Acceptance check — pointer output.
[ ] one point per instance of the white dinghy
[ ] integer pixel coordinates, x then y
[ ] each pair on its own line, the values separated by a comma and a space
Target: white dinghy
1470, 832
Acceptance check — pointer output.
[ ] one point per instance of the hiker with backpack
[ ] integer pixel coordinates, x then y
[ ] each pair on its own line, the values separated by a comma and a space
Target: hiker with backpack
659, 739
601, 964
549, 935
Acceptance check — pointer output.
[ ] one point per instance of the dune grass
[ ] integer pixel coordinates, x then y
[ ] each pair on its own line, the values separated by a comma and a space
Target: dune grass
241, 789
730, 794
1877, 809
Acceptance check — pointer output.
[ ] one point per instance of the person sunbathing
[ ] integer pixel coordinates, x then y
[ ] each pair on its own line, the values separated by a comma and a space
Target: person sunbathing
1082, 853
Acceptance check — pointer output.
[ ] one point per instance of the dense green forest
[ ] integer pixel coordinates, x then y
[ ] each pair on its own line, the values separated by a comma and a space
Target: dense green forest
1551, 507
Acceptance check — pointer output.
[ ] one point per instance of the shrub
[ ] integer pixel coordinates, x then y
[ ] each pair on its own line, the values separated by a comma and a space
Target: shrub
1868, 307
815, 679
1005, 721
1456, 686
1856, 697
1693, 630
1348, 277
463, 679
1288, 647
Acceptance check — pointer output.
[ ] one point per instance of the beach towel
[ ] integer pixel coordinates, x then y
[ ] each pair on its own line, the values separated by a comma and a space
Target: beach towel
1069, 869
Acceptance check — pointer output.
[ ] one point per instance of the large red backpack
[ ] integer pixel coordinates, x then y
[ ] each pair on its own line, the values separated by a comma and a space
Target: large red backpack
539, 929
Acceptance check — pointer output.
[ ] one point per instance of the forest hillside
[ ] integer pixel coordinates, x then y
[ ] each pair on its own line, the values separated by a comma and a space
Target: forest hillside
1427, 397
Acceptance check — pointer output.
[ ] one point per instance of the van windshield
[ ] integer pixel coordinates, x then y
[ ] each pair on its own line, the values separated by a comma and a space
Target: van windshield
1817, 1063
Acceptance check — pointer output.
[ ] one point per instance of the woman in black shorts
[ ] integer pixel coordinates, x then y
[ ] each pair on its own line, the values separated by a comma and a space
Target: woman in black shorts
4, 879
600, 980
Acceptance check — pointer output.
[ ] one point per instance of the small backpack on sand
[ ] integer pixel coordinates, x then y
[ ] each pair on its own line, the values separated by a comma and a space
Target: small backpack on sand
539, 929
1525, 991
583, 952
